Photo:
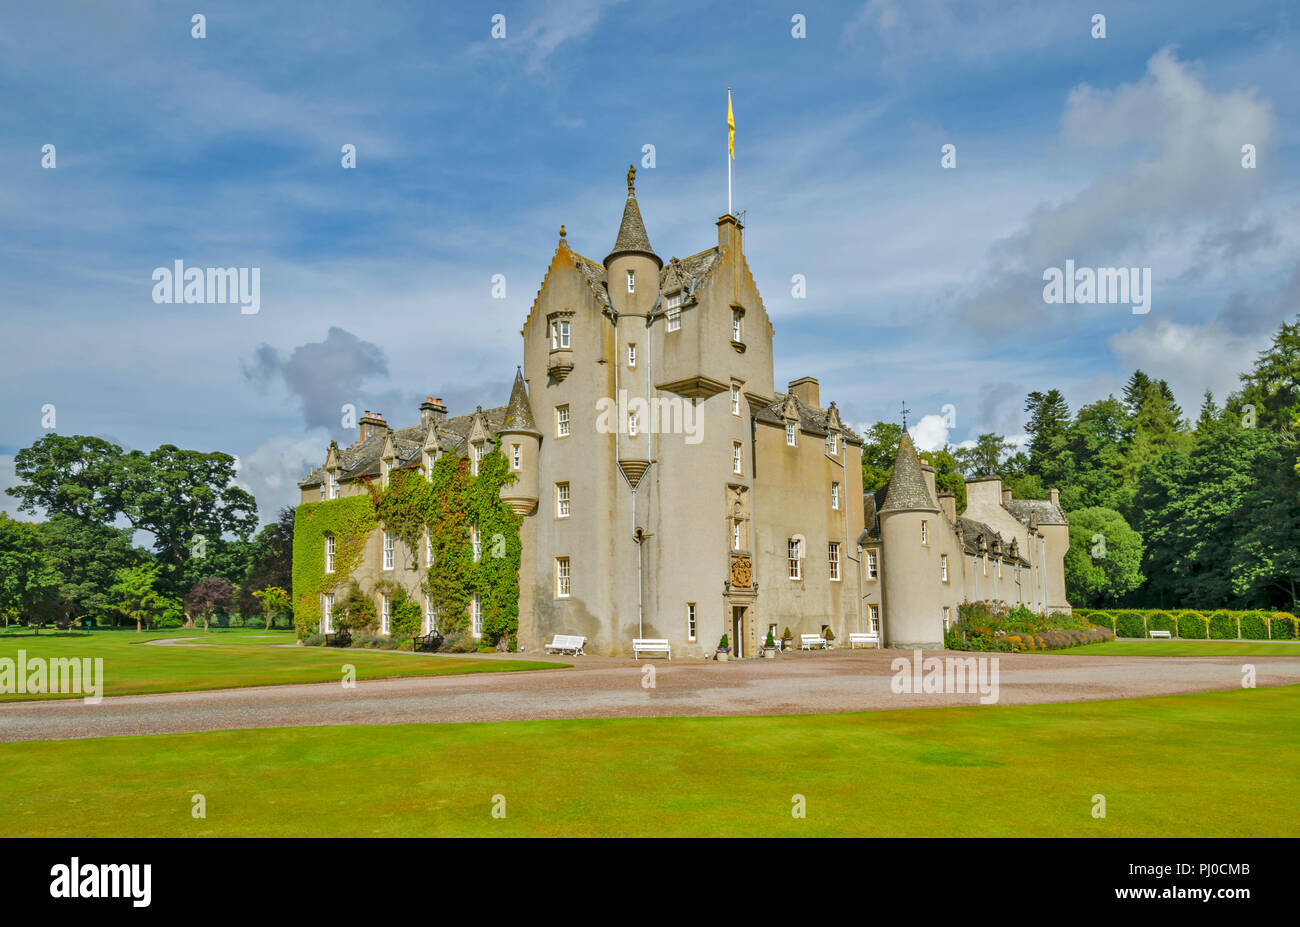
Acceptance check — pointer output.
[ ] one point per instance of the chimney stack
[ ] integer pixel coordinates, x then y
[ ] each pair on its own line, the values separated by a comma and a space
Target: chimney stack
807, 391
1054, 496
372, 423
1006, 495
432, 410
948, 502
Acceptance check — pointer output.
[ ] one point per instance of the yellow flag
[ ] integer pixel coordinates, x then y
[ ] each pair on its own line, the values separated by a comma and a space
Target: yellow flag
731, 127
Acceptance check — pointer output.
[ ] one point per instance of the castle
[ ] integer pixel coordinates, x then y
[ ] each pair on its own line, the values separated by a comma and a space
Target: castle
669, 490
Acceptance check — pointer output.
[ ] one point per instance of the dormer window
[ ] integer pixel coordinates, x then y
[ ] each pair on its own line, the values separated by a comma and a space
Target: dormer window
560, 335
480, 451
631, 281
832, 444
674, 320
333, 480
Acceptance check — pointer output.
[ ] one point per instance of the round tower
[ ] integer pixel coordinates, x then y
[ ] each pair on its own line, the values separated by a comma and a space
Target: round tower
521, 442
909, 520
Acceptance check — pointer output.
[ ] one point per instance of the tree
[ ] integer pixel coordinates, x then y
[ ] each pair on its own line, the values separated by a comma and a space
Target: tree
1273, 385
879, 449
275, 602
986, 457
209, 595
79, 476
947, 473
29, 585
356, 612
1104, 561
86, 555
1050, 457
135, 595
1096, 441
270, 562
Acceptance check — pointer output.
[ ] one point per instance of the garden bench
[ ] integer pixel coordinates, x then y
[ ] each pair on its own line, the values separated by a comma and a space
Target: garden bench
339, 639
562, 643
1165, 634
809, 641
863, 638
431, 641
642, 645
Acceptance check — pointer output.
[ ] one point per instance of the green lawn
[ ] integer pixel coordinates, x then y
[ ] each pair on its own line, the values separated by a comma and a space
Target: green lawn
229, 658
1208, 764
1180, 648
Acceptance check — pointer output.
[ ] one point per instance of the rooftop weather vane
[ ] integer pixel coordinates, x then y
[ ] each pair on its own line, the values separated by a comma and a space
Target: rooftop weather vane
903, 405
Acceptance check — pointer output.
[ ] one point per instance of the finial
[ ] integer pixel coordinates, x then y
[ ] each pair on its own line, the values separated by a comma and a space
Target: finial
631, 180
905, 411
561, 230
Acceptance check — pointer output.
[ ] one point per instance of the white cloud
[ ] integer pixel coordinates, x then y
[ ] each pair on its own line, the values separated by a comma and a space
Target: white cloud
930, 433
272, 471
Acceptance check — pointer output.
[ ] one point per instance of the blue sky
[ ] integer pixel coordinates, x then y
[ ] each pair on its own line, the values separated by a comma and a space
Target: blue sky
923, 284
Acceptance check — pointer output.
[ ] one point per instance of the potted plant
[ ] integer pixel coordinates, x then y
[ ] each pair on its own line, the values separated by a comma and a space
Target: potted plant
723, 649
830, 637
769, 647
787, 639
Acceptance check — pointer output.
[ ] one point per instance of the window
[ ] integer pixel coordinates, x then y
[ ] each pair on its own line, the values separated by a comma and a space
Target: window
793, 553
735, 399
334, 485
633, 425
428, 549
943, 567
327, 613
561, 577
947, 617
674, 320
789, 435
480, 451
737, 461
999, 568
833, 557
562, 421
383, 473
690, 621
873, 612
735, 326
631, 281
986, 564
631, 355
329, 553
323, 495
1017, 572
832, 444
561, 500
560, 335
873, 565
476, 614
430, 619
835, 496
735, 534
389, 550
385, 613
476, 543
516, 457
925, 531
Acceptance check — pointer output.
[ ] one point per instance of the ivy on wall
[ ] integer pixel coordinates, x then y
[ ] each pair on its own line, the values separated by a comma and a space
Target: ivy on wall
447, 505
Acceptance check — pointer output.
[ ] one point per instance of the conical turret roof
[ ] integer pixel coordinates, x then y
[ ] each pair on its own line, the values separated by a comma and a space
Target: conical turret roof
632, 238
519, 411
907, 486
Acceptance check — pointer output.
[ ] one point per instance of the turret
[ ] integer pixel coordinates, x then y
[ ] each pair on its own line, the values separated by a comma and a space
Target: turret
909, 522
521, 443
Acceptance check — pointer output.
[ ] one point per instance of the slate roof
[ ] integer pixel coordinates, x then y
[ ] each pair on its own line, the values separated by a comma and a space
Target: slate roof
632, 238
971, 531
362, 458
519, 411
1034, 512
907, 486
812, 420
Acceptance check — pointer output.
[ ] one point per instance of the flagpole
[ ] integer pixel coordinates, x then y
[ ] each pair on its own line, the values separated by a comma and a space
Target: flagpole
730, 157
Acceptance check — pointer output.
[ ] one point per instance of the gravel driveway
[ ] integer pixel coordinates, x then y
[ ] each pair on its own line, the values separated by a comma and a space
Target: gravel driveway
598, 687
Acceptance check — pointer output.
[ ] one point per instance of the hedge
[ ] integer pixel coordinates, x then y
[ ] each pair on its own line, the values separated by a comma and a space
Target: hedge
1057, 640
1254, 626
1282, 626
1223, 626
1130, 624
1161, 621
1192, 626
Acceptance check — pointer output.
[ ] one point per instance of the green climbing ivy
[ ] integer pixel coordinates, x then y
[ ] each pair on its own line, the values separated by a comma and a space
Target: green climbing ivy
350, 520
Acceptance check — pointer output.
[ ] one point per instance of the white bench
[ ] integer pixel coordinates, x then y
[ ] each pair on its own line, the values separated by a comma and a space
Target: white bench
642, 645
863, 638
809, 641
567, 642
1165, 634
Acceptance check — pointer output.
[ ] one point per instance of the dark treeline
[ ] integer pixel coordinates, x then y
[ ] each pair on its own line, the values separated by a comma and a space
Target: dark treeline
1165, 510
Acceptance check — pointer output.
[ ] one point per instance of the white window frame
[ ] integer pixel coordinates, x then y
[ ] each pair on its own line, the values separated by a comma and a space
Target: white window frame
331, 546
833, 559
925, 531
735, 534
735, 327
692, 621
430, 619
633, 425
428, 549
833, 444
476, 543
835, 496
563, 578
390, 551
873, 618
943, 567
947, 617
631, 281
873, 565
516, 457
737, 457
631, 355
476, 614
735, 399
563, 500
385, 612
327, 613
674, 319
334, 485
794, 558
790, 434
562, 421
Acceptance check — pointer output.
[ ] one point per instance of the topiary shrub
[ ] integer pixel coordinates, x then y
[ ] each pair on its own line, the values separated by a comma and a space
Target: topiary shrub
1129, 624
1282, 625
1254, 626
1162, 621
1192, 626
1223, 625
1102, 619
